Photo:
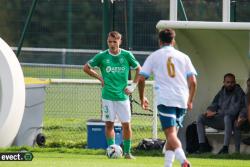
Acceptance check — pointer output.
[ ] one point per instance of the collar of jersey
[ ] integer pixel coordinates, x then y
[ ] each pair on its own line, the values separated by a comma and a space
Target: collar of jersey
116, 54
166, 46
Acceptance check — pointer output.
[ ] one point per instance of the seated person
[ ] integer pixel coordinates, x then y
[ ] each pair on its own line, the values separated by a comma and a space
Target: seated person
243, 121
222, 113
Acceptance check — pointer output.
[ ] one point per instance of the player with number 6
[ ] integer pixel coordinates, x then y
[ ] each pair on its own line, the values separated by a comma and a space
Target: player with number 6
175, 85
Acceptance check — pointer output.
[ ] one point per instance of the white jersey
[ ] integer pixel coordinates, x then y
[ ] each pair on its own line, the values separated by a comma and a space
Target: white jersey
170, 68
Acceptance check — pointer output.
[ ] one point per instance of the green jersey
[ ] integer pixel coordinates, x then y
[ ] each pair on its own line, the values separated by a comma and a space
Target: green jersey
115, 71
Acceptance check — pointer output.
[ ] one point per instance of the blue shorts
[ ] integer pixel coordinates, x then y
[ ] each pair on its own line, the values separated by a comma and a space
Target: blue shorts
171, 116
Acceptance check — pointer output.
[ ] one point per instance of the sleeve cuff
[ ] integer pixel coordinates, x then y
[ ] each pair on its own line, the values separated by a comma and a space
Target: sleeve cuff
190, 74
144, 74
90, 65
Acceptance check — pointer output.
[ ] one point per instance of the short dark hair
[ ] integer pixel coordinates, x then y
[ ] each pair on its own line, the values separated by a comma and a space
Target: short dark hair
229, 75
167, 35
115, 34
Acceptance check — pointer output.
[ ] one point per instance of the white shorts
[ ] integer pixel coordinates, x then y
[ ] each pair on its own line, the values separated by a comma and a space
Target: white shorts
111, 110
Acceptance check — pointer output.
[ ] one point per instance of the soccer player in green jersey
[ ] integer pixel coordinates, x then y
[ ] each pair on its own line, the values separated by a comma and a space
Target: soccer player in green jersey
115, 64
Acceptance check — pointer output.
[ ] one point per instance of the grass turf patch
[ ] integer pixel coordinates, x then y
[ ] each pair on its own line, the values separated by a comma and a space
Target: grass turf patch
96, 158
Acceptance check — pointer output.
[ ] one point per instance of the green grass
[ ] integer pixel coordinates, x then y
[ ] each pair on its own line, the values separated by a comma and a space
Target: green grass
64, 157
49, 72
75, 160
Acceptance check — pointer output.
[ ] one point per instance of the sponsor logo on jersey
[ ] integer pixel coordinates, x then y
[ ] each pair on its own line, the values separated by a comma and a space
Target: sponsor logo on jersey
115, 69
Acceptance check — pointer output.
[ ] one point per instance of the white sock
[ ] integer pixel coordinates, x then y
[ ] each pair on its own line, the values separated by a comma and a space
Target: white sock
180, 155
164, 148
169, 158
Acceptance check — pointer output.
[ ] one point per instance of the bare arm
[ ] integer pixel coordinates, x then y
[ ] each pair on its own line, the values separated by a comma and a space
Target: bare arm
192, 85
92, 73
136, 78
141, 87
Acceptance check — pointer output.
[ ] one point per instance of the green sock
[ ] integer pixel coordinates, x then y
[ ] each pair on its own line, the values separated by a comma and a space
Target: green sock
126, 146
110, 141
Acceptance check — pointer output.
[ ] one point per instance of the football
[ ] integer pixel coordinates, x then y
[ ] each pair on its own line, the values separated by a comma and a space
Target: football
114, 151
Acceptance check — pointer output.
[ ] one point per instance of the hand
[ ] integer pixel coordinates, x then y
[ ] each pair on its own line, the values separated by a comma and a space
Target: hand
189, 106
209, 114
240, 121
145, 103
130, 89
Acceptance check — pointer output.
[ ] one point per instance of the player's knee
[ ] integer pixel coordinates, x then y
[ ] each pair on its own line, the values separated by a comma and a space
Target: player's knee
109, 125
201, 119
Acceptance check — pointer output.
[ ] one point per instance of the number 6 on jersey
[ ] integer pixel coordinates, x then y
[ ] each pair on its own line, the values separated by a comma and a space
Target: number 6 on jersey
170, 67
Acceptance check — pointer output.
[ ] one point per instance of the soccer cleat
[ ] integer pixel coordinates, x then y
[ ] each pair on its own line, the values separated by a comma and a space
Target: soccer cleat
129, 156
186, 164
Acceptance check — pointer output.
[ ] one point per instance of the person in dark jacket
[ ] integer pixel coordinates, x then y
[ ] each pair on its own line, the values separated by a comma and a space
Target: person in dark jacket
243, 121
226, 107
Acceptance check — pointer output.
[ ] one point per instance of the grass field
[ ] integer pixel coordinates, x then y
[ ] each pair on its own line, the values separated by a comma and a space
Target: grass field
95, 158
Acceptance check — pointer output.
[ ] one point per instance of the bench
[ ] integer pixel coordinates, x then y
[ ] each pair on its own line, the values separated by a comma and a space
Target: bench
215, 138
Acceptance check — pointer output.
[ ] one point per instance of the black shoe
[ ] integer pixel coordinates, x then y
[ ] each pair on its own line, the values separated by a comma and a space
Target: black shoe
204, 149
223, 150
